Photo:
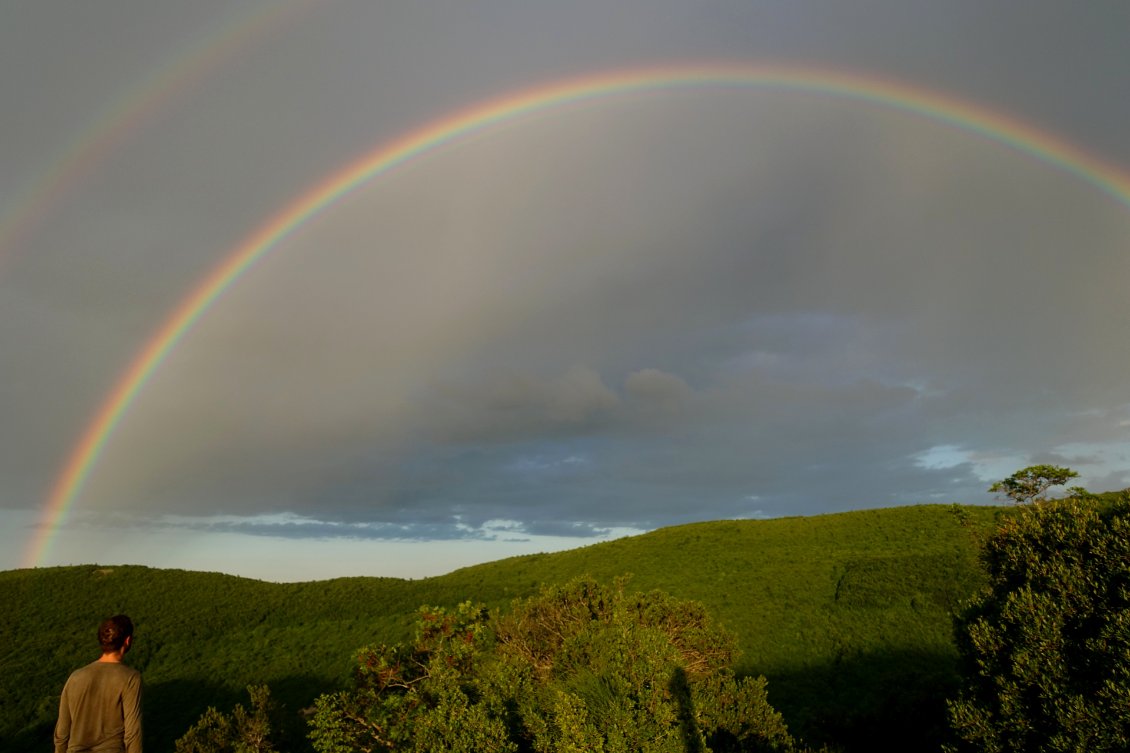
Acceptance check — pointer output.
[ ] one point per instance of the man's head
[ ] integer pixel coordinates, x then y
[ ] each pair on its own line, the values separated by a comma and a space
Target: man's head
115, 633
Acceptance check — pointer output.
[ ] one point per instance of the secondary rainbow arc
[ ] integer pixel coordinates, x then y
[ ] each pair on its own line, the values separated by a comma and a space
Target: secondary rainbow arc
995, 126
126, 114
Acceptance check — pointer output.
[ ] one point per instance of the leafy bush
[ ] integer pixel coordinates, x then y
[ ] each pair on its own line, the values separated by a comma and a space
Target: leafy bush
580, 667
1046, 647
423, 696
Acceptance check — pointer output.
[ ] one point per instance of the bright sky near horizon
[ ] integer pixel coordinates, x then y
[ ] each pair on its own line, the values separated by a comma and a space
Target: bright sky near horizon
297, 290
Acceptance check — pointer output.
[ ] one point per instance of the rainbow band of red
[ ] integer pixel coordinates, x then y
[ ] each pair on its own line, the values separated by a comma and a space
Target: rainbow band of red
995, 126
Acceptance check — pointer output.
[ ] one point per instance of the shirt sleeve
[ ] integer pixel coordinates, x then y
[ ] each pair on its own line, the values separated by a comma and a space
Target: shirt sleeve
131, 709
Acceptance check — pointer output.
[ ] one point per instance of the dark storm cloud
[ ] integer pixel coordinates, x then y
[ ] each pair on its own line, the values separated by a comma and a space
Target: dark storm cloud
521, 406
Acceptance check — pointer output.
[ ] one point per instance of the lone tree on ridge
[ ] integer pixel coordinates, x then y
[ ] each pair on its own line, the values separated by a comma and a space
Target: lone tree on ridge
1029, 484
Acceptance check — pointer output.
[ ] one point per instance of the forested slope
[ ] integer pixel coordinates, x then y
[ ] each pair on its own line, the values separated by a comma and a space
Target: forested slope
848, 616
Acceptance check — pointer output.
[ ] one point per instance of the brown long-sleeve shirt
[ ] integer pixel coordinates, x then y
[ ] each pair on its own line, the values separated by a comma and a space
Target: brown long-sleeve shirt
100, 710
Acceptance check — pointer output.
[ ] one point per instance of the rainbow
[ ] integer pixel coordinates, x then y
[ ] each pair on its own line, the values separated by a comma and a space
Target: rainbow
994, 126
130, 111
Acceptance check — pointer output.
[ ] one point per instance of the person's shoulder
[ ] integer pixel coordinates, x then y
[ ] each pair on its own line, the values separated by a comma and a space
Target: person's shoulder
82, 672
86, 668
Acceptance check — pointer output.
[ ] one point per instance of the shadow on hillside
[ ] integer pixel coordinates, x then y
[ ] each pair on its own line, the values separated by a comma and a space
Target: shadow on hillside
890, 701
174, 706
170, 708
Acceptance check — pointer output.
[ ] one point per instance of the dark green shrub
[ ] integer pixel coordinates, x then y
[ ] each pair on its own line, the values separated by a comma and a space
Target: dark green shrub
1045, 649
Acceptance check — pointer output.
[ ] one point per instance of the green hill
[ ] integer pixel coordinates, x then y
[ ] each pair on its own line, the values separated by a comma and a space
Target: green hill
847, 615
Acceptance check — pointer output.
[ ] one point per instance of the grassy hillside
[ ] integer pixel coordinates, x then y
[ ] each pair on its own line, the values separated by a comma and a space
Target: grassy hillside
848, 616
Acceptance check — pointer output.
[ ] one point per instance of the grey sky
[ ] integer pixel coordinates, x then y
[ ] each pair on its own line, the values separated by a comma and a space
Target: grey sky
636, 312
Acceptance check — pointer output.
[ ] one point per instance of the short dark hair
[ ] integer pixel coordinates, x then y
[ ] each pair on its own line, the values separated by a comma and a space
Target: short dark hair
112, 633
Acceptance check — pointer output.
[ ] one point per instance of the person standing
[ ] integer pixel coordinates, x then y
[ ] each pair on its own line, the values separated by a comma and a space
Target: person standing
100, 708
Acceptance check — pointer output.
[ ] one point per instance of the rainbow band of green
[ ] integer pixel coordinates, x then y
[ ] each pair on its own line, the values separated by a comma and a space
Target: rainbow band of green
932, 105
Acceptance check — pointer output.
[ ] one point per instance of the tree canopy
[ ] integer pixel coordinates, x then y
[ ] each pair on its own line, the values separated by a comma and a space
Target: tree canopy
1029, 484
1045, 648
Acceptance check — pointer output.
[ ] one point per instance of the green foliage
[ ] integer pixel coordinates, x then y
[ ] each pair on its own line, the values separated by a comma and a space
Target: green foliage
242, 731
422, 696
1046, 647
1029, 484
578, 667
847, 615
646, 671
